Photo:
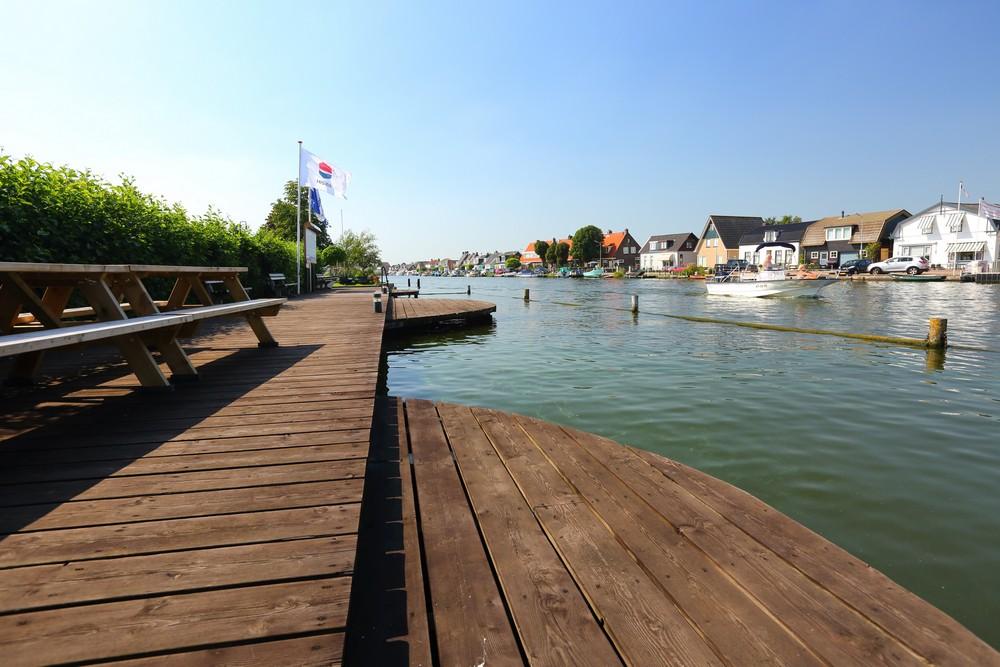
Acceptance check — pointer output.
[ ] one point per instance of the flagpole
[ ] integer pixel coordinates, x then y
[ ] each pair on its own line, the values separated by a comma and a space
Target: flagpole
298, 227
960, 184
309, 219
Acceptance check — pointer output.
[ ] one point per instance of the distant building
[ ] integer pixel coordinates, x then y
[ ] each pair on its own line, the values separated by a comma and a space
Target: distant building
948, 236
620, 251
720, 240
667, 251
830, 241
791, 234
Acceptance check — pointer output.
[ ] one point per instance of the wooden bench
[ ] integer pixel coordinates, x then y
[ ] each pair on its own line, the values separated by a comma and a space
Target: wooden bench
104, 288
277, 283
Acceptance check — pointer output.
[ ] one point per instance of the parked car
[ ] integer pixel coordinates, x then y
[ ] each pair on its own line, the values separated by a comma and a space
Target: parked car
912, 265
852, 266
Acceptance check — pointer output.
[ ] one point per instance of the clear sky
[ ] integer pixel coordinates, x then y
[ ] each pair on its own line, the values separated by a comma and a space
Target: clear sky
486, 125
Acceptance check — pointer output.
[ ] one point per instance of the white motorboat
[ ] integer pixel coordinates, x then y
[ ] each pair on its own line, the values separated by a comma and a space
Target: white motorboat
769, 282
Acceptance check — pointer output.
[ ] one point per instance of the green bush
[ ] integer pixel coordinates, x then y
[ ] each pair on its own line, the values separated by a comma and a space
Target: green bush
61, 215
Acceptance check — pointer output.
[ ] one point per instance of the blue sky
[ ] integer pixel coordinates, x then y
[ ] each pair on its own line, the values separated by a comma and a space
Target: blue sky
487, 125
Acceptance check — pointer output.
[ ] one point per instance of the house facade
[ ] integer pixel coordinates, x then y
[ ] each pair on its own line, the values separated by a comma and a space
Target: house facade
949, 236
790, 233
831, 241
529, 257
620, 251
720, 239
663, 252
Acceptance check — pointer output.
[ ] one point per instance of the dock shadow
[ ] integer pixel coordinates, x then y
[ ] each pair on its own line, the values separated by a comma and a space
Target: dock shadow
51, 424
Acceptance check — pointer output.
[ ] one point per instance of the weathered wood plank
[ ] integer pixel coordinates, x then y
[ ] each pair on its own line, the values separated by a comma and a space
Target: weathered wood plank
173, 622
552, 618
74, 544
315, 651
39, 586
470, 621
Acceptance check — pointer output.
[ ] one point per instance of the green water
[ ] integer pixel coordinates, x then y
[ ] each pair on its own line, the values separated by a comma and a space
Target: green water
890, 454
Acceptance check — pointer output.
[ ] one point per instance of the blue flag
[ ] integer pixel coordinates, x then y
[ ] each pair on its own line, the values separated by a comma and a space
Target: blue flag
317, 205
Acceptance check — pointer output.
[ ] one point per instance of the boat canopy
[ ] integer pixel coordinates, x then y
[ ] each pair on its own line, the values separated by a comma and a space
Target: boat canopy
775, 244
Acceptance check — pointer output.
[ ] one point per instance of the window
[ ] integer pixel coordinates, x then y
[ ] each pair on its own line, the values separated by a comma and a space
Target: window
838, 233
834, 254
746, 256
770, 236
814, 255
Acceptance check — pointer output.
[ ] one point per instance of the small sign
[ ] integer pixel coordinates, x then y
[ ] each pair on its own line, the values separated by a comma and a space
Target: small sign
310, 246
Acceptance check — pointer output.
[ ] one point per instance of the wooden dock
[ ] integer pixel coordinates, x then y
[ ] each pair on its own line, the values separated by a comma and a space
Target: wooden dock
421, 313
279, 511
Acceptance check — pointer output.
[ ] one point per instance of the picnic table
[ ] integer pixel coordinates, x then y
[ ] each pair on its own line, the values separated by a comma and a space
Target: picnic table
31, 324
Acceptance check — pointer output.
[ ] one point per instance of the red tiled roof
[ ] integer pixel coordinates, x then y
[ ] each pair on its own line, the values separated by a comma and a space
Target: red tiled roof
613, 240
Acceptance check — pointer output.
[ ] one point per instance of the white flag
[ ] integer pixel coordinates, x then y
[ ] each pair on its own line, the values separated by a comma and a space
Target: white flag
316, 173
962, 190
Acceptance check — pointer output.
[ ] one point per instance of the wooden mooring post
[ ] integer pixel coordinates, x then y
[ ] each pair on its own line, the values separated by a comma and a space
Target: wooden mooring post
468, 290
937, 333
635, 304
527, 294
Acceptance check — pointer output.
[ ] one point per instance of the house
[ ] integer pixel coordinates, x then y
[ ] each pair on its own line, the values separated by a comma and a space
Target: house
790, 233
836, 239
666, 251
529, 257
620, 251
720, 240
948, 236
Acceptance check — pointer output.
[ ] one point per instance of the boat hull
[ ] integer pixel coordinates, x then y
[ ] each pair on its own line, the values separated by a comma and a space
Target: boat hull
768, 288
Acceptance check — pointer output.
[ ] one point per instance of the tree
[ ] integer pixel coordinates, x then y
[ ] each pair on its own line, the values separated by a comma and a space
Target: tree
587, 244
542, 247
550, 254
783, 220
281, 218
873, 251
513, 263
562, 254
360, 250
331, 255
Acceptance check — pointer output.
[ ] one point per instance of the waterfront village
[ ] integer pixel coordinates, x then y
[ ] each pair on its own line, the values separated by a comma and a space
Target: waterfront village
956, 238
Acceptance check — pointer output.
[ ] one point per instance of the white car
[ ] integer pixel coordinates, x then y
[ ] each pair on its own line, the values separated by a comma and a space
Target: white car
912, 265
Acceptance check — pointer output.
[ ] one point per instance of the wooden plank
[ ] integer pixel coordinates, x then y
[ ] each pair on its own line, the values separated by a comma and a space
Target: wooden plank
173, 622
418, 633
202, 480
831, 629
184, 463
315, 651
645, 625
49, 586
930, 632
178, 505
75, 544
550, 613
470, 621
734, 623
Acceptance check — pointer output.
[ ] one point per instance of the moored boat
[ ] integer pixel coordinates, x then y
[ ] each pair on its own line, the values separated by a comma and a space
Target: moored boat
767, 282
595, 272
918, 279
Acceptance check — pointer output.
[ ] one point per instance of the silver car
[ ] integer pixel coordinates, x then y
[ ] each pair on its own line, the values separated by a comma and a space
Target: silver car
912, 265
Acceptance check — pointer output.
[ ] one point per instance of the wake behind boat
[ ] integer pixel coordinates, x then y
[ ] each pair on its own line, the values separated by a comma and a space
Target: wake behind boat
767, 282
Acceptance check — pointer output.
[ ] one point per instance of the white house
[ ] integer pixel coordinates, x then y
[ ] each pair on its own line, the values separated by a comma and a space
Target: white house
948, 236
666, 251
791, 234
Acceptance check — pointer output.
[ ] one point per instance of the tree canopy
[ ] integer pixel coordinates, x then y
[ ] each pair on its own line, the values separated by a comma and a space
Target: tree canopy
783, 220
513, 263
587, 244
561, 254
281, 218
361, 252
542, 247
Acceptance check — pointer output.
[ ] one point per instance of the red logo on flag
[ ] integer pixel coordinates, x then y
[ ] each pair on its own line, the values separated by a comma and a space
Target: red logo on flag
325, 170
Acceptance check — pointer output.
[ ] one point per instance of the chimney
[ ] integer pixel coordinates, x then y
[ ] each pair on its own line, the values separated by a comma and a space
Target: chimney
626, 230
841, 214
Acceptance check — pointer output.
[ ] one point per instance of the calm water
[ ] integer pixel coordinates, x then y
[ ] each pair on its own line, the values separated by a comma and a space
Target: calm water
890, 454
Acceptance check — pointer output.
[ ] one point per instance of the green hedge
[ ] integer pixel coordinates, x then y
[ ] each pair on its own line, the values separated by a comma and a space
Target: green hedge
58, 214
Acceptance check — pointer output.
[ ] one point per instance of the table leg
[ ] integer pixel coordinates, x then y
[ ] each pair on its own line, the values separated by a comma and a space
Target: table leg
179, 293
10, 306
200, 291
26, 366
168, 346
237, 293
134, 350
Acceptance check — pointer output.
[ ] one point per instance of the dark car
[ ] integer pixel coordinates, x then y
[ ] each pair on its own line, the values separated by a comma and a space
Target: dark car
852, 266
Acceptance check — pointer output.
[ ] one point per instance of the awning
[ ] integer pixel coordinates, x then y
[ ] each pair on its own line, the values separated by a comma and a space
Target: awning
926, 223
953, 221
968, 246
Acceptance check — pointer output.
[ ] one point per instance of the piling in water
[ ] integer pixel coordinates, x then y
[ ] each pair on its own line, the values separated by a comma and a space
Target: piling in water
937, 333
468, 290
635, 304
527, 294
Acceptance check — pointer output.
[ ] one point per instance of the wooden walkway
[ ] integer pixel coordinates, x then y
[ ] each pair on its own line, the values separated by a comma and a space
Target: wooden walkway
529, 543
213, 524
283, 511
410, 313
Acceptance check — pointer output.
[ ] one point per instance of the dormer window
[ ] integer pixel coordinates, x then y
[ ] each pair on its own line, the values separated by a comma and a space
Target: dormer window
770, 236
838, 233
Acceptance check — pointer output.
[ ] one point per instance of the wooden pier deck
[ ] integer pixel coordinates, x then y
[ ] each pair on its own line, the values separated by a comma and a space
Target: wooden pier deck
213, 524
279, 511
416, 313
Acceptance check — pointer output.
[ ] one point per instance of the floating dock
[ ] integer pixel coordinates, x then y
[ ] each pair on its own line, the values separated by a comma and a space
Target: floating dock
423, 313
279, 512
